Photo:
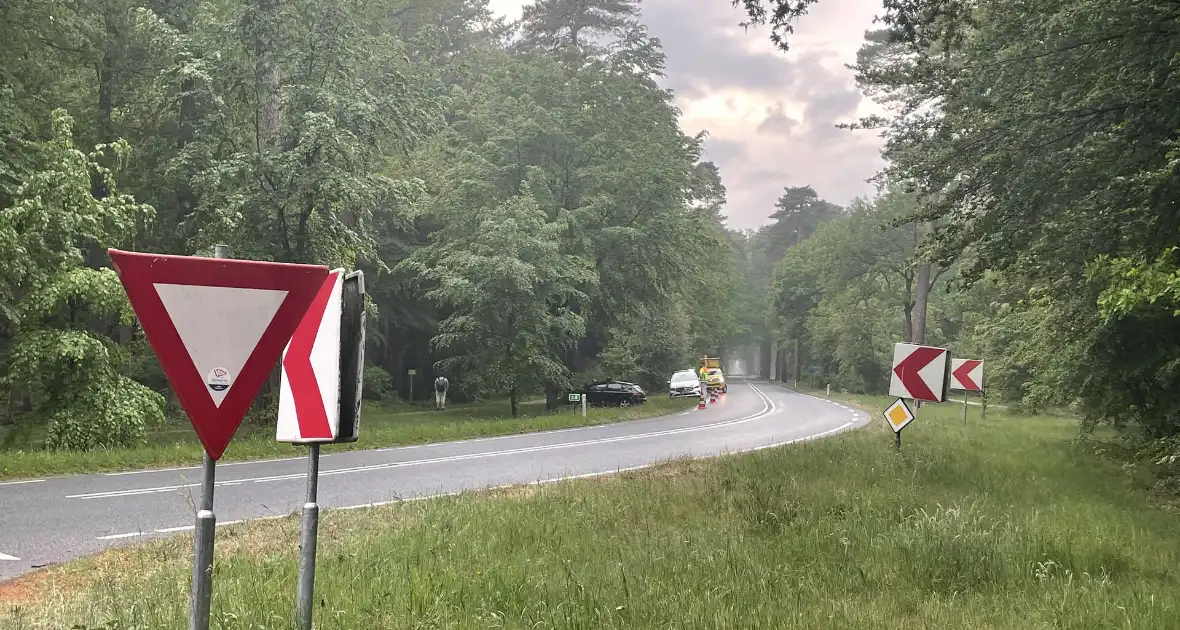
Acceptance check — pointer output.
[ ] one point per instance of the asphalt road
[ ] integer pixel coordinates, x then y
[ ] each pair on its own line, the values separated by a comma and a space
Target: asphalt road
47, 521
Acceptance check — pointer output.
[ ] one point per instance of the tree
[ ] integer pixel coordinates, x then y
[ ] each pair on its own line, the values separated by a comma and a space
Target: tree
509, 287
59, 311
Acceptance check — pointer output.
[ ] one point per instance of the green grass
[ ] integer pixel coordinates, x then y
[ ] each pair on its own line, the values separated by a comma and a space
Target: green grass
999, 524
178, 445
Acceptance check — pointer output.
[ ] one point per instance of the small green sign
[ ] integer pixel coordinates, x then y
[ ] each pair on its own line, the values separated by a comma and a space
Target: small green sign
575, 397
411, 372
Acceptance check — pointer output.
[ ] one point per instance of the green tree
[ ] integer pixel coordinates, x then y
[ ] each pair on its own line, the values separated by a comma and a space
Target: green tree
509, 286
59, 310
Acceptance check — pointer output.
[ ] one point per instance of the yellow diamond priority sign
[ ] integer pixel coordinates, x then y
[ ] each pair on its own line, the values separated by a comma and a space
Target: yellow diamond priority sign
898, 415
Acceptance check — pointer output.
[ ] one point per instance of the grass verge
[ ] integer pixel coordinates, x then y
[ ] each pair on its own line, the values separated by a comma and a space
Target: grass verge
999, 524
379, 428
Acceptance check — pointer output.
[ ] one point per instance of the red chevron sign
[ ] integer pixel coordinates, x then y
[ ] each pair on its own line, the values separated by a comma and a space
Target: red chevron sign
919, 372
309, 390
967, 375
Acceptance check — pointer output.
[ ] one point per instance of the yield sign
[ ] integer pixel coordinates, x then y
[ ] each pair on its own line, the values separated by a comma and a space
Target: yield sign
217, 327
967, 375
919, 372
309, 391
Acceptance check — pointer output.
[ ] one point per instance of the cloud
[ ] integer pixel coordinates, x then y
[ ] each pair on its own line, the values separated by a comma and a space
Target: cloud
771, 116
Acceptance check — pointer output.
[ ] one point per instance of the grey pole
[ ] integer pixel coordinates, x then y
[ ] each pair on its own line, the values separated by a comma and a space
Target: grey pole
202, 592
202, 589
583, 397
964, 406
307, 542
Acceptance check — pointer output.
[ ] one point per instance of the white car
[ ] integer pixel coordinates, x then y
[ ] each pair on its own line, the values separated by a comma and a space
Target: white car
684, 383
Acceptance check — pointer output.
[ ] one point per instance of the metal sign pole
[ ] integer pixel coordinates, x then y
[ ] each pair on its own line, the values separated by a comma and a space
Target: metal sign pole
307, 541
201, 597
897, 439
964, 406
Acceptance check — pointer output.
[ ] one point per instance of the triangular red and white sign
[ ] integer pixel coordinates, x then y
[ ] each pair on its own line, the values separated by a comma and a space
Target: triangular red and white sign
217, 326
309, 391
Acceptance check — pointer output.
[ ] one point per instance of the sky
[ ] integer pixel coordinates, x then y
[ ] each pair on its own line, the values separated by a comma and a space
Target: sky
770, 115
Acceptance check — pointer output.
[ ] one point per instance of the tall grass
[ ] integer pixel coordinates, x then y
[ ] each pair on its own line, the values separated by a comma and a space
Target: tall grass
1001, 524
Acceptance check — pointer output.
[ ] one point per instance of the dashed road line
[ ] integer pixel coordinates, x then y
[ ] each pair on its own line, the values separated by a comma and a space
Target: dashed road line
219, 465
20, 482
768, 408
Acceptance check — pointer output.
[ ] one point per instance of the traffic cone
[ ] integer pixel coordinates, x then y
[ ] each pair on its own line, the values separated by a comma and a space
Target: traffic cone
701, 403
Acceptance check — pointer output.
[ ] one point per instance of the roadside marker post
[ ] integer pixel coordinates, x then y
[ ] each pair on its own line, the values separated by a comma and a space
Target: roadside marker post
967, 375
320, 398
898, 415
217, 327
411, 373
576, 397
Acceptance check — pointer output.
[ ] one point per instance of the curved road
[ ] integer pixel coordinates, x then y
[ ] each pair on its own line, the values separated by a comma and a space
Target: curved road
46, 521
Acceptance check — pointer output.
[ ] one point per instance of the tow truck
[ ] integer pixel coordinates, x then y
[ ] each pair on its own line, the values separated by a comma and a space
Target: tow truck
712, 367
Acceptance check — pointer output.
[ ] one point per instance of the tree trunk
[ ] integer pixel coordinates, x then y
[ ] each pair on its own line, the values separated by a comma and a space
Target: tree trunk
512, 399
551, 397
266, 71
797, 360
921, 297
921, 289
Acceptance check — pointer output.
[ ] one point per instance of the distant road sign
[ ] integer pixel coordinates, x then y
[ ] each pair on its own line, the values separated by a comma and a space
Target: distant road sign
575, 397
967, 375
217, 326
898, 415
411, 372
309, 388
919, 372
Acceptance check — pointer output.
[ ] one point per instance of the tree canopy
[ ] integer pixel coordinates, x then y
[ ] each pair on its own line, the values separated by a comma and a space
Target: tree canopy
532, 215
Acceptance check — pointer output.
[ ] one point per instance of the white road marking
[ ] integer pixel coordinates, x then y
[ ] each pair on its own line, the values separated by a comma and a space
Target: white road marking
219, 465
4, 556
768, 408
118, 536
539, 482
20, 481
169, 530
768, 404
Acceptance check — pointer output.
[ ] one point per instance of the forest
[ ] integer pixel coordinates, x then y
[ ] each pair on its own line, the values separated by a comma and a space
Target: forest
530, 214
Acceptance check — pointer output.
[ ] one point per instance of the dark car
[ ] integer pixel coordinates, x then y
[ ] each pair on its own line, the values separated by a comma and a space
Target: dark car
614, 393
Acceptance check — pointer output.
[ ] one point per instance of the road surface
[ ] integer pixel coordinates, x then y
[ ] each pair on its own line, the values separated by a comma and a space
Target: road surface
47, 521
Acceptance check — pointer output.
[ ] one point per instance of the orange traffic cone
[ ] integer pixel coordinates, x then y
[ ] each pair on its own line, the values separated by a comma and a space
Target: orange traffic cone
701, 404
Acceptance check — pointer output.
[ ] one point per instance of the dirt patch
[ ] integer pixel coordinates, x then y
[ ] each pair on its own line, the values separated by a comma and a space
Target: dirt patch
31, 587
514, 493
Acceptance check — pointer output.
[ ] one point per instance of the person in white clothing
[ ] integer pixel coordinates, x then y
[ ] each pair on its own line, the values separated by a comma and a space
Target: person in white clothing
440, 393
